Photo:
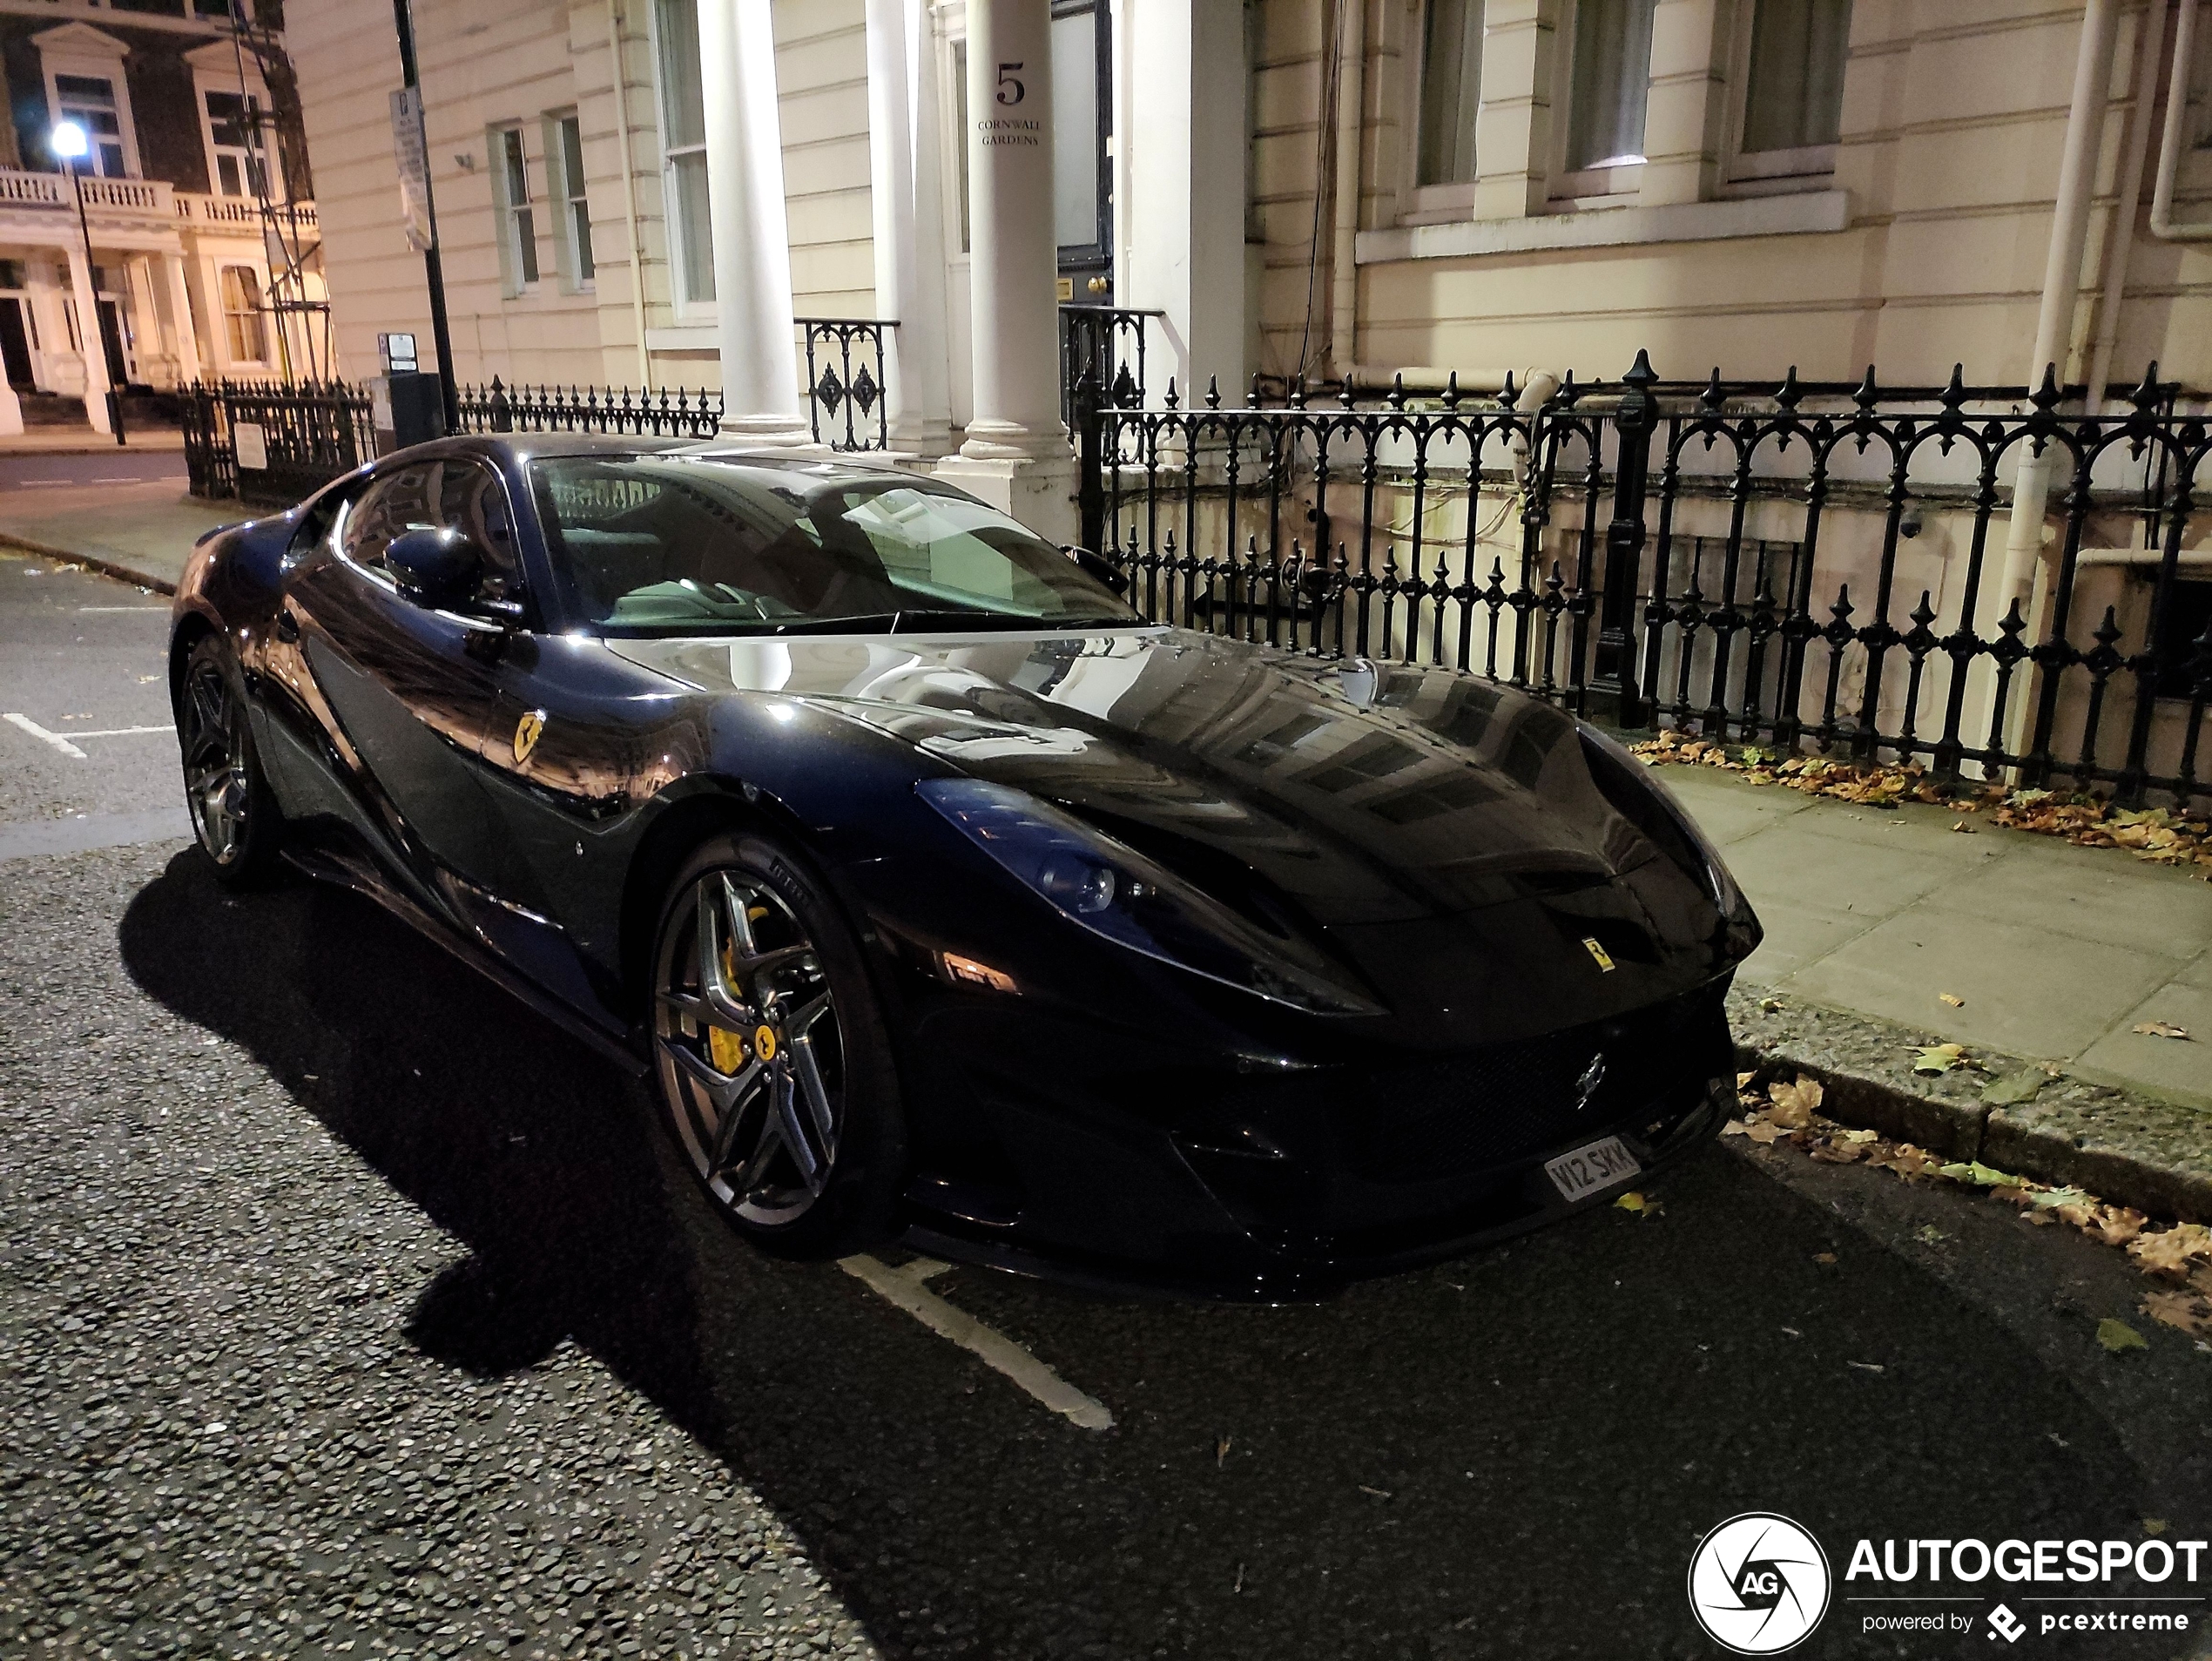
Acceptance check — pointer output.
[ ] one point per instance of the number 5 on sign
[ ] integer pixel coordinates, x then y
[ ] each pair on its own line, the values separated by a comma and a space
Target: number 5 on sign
1010, 89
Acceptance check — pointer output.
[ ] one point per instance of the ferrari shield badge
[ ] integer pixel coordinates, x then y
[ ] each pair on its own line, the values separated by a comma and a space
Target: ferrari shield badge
526, 734
1599, 956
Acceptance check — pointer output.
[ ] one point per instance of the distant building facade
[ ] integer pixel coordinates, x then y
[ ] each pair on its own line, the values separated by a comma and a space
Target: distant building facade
196, 194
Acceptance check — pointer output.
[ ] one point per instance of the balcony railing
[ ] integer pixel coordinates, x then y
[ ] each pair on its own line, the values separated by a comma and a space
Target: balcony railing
153, 200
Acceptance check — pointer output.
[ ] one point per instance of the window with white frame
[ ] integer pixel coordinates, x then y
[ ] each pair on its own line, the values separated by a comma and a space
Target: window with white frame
565, 172
517, 218
1607, 74
1791, 71
1451, 89
89, 100
235, 123
245, 320
683, 142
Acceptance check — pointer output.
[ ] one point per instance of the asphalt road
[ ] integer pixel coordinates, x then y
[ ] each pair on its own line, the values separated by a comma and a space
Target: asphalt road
40, 470
344, 1302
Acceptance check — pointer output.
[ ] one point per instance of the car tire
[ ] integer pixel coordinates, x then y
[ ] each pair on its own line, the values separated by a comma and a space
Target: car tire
772, 1063
234, 814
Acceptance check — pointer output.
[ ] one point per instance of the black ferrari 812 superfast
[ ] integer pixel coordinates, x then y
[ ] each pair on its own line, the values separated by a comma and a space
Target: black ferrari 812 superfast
939, 895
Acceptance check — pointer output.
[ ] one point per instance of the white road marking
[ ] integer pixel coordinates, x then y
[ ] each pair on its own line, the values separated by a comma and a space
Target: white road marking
151, 610
40, 732
903, 1289
122, 732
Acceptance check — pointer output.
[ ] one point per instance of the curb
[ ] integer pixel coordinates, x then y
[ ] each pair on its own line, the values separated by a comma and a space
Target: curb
90, 562
2124, 1148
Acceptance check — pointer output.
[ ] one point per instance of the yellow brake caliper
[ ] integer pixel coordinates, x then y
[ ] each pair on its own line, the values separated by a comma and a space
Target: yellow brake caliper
724, 1049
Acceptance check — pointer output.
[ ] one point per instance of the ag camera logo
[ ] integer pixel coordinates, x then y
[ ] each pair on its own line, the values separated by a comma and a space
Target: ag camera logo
1758, 1584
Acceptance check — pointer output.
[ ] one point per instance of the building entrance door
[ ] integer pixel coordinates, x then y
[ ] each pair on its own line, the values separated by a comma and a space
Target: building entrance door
1082, 166
119, 373
14, 345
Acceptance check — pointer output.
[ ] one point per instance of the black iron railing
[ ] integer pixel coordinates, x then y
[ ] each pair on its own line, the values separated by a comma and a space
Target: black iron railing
678, 412
1799, 567
1106, 344
845, 397
269, 442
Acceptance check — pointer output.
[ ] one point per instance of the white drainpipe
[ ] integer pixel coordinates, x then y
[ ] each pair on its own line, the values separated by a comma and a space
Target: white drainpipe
2062, 276
630, 195
1344, 314
2174, 141
2053, 328
2150, 36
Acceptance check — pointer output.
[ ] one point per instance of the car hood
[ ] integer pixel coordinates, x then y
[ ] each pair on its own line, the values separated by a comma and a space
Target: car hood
1367, 794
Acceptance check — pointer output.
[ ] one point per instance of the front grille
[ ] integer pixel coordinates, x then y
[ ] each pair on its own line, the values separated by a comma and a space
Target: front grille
1484, 1108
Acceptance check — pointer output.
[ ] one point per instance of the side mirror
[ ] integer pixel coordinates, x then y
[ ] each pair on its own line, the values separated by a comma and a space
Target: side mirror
434, 568
1097, 567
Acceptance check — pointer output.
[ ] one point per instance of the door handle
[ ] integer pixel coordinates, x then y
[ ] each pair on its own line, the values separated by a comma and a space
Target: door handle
287, 626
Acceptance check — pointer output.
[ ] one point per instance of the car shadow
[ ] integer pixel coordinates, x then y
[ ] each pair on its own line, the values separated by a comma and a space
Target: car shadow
1512, 1455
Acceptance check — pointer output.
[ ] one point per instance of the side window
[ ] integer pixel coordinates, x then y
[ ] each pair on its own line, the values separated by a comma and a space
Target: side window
473, 499
397, 501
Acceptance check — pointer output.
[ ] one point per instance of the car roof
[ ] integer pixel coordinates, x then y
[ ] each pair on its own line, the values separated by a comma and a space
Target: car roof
816, 462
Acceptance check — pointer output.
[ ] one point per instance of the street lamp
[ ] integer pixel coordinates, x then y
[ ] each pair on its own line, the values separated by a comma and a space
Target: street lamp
68, 140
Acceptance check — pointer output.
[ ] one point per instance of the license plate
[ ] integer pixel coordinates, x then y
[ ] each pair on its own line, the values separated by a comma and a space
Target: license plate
1586, 1170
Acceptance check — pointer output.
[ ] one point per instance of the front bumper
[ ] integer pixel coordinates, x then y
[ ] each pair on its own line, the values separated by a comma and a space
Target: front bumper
1289, 1184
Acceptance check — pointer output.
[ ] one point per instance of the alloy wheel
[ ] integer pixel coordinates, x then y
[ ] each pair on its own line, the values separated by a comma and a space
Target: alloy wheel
750, 1050
217, 785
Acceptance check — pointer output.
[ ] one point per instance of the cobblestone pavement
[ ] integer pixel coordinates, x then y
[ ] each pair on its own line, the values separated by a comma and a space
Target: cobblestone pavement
343, 1302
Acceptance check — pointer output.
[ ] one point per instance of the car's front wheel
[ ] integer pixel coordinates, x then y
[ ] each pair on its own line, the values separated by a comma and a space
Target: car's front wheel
771, 1055
234, 816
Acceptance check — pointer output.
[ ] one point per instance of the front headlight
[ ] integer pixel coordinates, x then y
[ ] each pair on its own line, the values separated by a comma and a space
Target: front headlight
1109, 888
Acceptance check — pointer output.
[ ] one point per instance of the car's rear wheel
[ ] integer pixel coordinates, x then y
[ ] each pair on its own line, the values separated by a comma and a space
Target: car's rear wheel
234, 814
770, 1051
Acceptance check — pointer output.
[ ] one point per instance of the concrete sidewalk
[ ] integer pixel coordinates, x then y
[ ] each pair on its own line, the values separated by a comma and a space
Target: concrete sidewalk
83, 441
139, 532
2055, 952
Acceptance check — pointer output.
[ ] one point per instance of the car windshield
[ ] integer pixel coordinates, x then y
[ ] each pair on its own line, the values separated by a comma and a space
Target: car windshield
673, 544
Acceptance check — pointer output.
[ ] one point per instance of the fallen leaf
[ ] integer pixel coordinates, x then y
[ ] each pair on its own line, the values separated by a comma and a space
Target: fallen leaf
1630, 1202
1762, 1131
1735, 1127
1980, 1175
2170, 1251
1963, 826
1939, 1058
2161, 1029
2179, 1309
1384, 1494
1860, 1136
1824, 1257
2153, 1525
1838, 1152
1794, 1103
2013, 1088
1865, 1367
1221, 1451
1953, 999
1744, 1080
2118, 1335
2050, 1196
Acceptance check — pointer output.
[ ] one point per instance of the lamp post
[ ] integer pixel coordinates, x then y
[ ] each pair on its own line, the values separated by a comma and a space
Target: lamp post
68, 141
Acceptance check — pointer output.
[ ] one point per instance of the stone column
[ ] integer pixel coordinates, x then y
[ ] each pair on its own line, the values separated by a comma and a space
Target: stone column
89, 343
909, 228
1181, 219
172, 273
744, 167
1016, 454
